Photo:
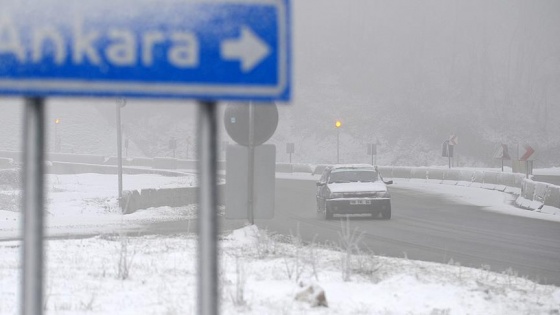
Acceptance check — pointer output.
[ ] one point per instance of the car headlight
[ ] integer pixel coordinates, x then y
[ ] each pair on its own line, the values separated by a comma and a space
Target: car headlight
384, 194
336, 195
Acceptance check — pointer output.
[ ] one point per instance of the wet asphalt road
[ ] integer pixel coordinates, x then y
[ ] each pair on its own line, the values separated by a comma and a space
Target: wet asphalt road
424, 227
430, 228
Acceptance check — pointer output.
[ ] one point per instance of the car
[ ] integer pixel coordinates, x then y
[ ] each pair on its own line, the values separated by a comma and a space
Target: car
353, 189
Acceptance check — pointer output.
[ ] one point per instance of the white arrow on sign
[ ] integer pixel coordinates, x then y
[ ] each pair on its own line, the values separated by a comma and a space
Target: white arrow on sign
249, 49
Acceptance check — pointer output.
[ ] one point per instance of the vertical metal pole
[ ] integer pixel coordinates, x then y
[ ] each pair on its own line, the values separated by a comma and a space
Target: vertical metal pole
56, 141
251, 169
337, 145
207, 219
448, 154
33, 196
120, 103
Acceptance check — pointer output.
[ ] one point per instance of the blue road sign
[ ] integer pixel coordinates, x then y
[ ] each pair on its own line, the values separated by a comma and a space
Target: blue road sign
199, 49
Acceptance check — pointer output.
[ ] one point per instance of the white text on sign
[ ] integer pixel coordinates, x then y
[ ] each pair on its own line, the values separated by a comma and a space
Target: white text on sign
183, 49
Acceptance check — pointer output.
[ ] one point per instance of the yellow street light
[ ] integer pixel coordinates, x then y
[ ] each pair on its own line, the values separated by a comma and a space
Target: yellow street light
338, 124
56, 121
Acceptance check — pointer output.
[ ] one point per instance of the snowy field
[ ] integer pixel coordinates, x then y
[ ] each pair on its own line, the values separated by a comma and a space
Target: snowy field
87, 203
261, 273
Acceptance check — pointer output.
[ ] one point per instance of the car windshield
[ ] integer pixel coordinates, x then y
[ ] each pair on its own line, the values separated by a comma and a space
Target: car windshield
347, 176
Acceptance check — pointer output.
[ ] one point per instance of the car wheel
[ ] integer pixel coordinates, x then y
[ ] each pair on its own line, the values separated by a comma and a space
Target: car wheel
318, 212
328, 213
386, 213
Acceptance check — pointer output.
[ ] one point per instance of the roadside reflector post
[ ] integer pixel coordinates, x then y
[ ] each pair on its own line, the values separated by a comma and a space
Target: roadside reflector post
208, 295
33, 196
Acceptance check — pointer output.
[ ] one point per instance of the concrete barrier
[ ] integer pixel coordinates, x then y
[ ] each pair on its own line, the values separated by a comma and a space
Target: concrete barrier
541, 190
141, 162
478, 179
553, 197
77, 168
284, 168
320, 168
490, 180
401, 172
302, 168
164, 163
14, 155
166, 197
506, 179
528, 189
466, 177
523, 203
435, 175
186, 164
75, 158
450, 177
59, 157
419, 175
111, 160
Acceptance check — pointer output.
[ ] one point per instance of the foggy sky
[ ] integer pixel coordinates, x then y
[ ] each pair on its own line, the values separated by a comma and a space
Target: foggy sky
408, 73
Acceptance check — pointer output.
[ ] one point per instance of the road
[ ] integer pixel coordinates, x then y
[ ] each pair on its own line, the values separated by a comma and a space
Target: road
430, 228
424, 227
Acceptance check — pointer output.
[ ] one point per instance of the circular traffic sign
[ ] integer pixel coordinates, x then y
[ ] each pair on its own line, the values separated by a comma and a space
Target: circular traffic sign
265, 121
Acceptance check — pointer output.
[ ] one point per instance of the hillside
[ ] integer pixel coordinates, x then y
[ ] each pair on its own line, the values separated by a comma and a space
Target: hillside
88, 127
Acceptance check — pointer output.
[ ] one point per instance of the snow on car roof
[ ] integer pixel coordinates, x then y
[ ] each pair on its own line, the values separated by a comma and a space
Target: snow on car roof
339, 166
353, 166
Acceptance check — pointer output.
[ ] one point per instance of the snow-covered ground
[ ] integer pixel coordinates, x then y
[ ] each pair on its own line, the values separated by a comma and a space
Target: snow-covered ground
261, 273
87, 203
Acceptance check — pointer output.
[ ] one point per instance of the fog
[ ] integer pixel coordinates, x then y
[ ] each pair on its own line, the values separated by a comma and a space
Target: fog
413, 72
405, 74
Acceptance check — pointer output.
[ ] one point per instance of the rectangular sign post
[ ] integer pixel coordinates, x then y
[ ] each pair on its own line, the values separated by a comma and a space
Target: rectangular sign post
372, 150
290, 149
502, 153
195, 49
447, 151
526, 157
263, 183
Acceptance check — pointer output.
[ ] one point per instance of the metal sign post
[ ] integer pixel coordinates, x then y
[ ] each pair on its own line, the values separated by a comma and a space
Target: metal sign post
290, 149
338, 124
251, 163
372, 150
240, 50
449, 153
250, 124
33, 196
208, 303
121, 102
